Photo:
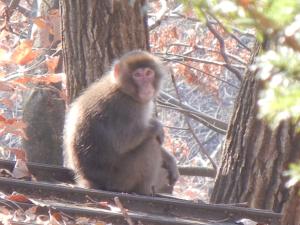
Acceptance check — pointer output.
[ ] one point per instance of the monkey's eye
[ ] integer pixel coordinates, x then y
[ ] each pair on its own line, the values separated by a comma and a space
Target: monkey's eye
148, 72
143, 72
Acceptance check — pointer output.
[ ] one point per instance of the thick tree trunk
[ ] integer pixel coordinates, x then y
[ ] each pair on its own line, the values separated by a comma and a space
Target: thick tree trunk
254, 156
291, 210
95, 33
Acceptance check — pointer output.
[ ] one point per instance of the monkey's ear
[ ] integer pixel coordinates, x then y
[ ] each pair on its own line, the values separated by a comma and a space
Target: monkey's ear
116, 70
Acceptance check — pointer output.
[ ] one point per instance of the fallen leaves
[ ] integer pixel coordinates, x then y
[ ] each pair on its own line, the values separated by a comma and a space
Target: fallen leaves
24, 53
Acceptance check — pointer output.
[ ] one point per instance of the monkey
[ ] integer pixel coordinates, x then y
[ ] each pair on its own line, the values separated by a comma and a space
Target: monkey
162, 164
110, 135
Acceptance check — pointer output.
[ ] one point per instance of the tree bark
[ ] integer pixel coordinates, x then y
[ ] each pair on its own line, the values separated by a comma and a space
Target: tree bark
254, 156
291, 210
95, 33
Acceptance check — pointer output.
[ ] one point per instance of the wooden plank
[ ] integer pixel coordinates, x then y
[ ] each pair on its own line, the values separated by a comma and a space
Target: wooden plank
154, 205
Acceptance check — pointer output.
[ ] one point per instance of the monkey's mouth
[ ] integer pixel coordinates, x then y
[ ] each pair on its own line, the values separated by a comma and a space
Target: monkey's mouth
146, 93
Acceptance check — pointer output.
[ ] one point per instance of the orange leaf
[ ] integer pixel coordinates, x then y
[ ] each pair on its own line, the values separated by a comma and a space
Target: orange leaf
18, 198
52, 63
245, 3
42, 23
5, 86
24, 54
57, 216
2, 118
23, 80
50, 78
19, 153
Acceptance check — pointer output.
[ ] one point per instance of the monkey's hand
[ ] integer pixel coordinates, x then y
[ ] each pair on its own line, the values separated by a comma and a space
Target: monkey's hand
157, 131
169, 163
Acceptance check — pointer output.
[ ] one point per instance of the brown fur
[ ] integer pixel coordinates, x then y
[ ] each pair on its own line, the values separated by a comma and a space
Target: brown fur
110, 137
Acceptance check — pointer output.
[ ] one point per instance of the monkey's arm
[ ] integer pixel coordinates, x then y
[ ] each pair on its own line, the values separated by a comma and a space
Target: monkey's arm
134, 136
169, 163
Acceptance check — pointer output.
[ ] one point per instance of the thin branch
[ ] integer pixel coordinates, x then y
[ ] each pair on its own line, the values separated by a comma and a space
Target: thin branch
208, 121
123, 211
160, 15
187, 120
188, 58
176, 128
228, 65
201, 71
234, 57
231, 34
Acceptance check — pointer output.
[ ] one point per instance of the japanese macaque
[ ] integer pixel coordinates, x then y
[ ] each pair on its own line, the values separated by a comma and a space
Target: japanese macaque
111, 139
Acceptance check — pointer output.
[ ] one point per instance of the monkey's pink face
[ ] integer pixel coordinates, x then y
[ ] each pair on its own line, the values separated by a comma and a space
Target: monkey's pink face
144, 80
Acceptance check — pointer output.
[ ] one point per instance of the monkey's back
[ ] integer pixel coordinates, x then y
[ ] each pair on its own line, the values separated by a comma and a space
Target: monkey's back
94, 124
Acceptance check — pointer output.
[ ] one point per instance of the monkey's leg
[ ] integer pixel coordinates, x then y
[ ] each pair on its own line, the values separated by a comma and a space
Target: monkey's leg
137, 171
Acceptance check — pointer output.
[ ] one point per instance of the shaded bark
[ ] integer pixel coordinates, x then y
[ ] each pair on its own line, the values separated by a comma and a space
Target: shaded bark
43, 113
291, 210
254, 156
95, 33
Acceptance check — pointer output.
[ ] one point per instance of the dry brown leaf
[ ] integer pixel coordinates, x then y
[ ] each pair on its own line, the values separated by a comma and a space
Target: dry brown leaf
55, 218
20, 154
24, 53
5, 86
50, 78
18, 198
52, 63
42, 23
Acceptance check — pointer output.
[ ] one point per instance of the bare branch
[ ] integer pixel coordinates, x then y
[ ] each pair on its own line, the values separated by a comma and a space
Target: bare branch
123, 210
208, 121
201, 71
160, 15
188, 58
202, 149
228, 65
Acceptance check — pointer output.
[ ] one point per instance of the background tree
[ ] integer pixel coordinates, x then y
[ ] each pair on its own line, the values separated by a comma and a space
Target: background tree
95, 33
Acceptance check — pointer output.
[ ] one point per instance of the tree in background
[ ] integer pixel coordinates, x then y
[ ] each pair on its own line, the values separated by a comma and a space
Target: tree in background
97, 32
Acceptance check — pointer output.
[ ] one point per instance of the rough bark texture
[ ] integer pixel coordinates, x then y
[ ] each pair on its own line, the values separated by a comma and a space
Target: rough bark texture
95, 33
291, 210
254, 157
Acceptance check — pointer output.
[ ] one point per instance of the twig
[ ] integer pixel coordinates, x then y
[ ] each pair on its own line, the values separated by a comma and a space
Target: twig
188, 58
123, 210
208, 121
228, 65
202, 150
176, 128
231, 34
160, 15
201, 71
